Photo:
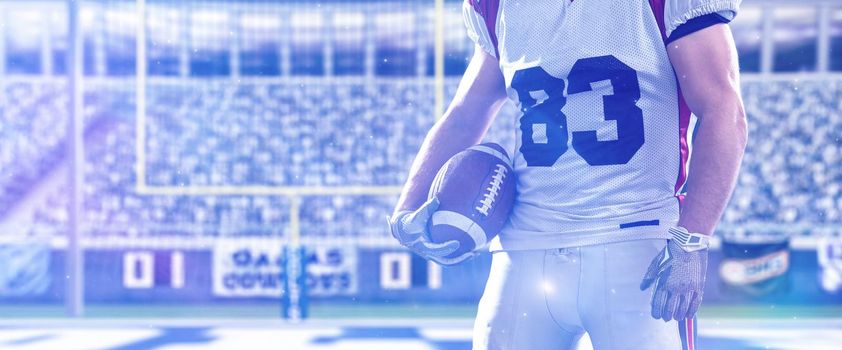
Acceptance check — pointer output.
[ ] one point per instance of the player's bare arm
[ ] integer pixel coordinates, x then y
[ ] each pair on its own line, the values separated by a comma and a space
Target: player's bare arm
478, 98
705, 63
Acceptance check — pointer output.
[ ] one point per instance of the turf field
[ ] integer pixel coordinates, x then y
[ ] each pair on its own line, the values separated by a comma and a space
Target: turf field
444, 327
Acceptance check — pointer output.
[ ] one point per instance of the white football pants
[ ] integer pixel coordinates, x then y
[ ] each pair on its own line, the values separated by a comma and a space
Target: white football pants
548, 299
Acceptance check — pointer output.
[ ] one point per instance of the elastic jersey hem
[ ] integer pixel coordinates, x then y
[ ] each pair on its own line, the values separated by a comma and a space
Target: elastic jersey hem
695, 25
570, 240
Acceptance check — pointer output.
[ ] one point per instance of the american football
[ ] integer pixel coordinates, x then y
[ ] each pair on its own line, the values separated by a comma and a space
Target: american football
476, 189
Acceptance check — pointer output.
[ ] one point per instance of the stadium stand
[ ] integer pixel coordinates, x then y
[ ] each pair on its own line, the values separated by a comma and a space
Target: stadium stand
790, 171
286, 134
334, 134
359, 127
32, 130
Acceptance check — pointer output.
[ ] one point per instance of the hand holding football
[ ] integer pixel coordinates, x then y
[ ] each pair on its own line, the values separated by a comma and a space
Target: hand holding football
476, 190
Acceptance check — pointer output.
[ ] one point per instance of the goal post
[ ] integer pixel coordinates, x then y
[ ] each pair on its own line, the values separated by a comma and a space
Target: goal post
294, 250
74, 252
143, 188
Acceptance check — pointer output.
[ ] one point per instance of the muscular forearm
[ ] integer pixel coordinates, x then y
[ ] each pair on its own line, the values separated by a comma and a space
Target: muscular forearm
479, 97
448, 137
706, 66
714, 165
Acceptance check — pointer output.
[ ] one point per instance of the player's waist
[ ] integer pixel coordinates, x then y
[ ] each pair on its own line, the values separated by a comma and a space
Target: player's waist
511, 239
543, 213
534, 228
571, 187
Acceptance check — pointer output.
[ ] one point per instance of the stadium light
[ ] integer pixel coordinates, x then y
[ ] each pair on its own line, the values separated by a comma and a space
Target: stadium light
347, 20
210, 17
87, 17
28, 17
260, 21
115, 19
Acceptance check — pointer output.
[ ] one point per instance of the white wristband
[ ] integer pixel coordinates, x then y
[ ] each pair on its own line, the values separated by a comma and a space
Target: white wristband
690, 242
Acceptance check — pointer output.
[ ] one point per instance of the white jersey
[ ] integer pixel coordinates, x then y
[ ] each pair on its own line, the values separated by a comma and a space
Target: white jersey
602, 151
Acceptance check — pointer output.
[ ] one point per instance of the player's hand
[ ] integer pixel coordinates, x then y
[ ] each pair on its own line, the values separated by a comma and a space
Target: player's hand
679, 279
410, 229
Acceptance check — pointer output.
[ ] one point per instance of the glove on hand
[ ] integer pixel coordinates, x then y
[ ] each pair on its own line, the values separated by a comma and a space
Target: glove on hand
679, 278
410, 229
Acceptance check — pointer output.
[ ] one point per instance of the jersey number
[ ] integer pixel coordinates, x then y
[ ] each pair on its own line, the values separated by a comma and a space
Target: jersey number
542, 97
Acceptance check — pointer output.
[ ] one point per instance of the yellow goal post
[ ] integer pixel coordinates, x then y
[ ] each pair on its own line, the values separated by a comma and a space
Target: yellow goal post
294, 193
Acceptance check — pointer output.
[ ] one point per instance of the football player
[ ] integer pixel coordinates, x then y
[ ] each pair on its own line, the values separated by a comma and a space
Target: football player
604, 238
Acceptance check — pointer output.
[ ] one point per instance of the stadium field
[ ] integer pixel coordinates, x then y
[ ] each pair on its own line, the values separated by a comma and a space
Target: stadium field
364, 326
377, 311
350, 334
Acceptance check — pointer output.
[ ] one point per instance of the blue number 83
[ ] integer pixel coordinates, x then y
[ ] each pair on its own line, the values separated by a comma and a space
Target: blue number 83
542, 98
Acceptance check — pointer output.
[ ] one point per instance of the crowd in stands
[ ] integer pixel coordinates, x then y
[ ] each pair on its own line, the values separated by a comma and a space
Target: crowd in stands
352, 133
32, 130
112, 205
292, 134
791, 171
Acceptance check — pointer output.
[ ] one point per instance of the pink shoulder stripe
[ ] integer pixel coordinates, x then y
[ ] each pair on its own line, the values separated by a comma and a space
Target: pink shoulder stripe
683, 110
488, 9
658, 11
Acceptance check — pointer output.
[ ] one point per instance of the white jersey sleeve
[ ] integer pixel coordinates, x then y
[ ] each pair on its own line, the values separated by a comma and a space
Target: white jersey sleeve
477, 31
679, 15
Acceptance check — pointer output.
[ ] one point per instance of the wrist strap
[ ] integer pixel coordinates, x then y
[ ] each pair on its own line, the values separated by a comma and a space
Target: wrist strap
690, 242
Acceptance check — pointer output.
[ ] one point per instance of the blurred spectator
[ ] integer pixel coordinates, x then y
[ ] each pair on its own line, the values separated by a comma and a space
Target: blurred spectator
345, 133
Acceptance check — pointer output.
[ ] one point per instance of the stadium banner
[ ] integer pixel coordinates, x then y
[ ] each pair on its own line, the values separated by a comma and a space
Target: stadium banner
375, 275
331, 270
755, 268
248, 268
24, 269
244, 268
